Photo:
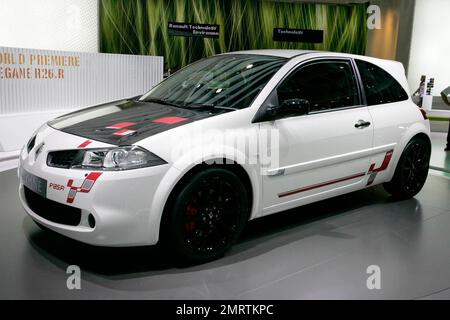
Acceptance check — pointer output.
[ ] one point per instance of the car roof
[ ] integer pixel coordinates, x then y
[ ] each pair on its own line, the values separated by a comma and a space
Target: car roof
284, 53
395, 68
289, 53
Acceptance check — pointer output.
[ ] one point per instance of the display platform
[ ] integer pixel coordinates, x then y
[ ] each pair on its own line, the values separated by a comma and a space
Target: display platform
319, 251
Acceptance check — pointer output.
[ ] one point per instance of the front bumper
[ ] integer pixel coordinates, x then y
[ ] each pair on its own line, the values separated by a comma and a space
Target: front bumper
120, 206
120, 202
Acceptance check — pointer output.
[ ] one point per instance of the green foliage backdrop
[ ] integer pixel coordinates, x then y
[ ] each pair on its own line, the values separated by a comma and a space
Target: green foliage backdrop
141, 26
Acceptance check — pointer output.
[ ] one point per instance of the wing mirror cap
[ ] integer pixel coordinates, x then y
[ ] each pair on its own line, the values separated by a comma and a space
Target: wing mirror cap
289, 108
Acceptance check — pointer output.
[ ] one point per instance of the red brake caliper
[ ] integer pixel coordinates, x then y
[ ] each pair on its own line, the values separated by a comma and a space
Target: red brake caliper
190, 225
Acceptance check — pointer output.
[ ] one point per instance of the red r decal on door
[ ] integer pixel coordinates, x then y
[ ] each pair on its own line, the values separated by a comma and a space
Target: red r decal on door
373, 172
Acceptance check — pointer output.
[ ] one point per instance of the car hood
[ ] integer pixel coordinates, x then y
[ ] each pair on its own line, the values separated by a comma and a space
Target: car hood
126, 122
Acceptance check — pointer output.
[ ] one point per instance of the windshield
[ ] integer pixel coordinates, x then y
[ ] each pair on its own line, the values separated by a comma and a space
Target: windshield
227, 81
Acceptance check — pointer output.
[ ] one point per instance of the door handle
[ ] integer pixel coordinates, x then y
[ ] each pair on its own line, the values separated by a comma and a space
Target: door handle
361, 124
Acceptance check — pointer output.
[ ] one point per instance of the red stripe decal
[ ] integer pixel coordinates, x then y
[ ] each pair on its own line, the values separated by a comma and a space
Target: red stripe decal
384, 165
373, 172
320, 185
85, 144
123, 132
169, 120
85, 187
121, 125
93, 176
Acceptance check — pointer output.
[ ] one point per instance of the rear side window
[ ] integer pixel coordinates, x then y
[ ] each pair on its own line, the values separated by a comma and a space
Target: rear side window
379, 85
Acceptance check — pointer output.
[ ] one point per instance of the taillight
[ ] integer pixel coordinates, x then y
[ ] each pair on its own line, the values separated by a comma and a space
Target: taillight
424, 113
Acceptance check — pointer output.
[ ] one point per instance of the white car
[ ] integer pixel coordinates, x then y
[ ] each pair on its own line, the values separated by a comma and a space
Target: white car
225, 140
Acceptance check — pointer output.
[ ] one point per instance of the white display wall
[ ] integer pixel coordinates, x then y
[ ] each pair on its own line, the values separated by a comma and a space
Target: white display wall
430, 46
37, 85
70, 25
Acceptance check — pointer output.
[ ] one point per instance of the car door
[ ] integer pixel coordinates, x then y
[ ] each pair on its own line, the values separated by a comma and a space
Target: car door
392, 111
325, 150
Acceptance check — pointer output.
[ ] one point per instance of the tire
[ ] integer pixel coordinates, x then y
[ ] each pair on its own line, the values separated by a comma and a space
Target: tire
207, 217
412, 170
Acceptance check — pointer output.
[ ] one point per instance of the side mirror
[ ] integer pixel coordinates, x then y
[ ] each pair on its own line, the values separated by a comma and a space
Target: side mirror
297, 107
271, 110
289, 108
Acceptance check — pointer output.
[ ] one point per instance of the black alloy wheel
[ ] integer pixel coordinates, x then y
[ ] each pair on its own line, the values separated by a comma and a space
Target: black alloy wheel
208, 216
412, 170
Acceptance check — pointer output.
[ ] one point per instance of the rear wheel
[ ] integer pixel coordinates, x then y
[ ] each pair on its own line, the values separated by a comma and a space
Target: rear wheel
207, 216
412, 170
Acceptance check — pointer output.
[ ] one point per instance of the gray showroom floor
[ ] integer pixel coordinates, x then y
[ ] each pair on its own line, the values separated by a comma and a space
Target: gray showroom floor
317, 251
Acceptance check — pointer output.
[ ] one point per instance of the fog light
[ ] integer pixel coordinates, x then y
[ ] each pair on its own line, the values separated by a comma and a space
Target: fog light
91, 221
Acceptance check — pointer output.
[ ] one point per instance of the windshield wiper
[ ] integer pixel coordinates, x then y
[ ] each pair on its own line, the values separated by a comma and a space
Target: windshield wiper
162, 101
209, 106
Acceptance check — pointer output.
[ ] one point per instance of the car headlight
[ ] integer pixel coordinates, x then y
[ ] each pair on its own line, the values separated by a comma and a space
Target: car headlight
120, 158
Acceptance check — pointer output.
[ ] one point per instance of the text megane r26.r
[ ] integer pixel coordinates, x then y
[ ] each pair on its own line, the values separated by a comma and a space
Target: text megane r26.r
183, 164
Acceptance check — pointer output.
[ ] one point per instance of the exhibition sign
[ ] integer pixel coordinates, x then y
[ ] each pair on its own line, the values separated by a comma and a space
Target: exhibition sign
194, 30
36, 85
168, 27
38, 80
297, 35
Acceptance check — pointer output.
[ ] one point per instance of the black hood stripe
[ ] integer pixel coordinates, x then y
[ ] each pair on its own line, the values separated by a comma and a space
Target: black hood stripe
127, 122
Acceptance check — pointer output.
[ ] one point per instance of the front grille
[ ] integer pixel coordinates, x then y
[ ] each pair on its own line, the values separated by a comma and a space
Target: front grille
51, 210
62, 159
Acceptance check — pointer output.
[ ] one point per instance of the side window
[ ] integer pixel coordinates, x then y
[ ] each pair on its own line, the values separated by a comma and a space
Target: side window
325, 84
379, 85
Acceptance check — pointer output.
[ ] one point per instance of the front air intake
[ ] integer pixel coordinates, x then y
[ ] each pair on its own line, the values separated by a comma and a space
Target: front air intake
51, 210
62, 159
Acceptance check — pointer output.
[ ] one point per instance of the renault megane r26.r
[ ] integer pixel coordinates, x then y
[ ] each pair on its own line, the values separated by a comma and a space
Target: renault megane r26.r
225, 140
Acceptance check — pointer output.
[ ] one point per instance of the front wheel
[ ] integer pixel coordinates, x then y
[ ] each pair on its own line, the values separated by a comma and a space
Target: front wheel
412, 170
207, 216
